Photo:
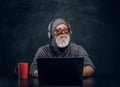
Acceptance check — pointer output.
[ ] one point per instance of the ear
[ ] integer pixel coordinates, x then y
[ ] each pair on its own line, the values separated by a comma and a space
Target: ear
49, 35
70, 32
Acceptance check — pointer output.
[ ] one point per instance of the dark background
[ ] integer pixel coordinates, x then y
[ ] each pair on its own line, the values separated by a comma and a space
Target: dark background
95, 25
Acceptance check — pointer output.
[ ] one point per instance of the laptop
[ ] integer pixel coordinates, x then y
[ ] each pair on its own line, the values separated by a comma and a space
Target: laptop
60, 71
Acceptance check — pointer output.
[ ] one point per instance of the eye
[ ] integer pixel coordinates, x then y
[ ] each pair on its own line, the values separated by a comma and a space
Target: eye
61, 31
57, 30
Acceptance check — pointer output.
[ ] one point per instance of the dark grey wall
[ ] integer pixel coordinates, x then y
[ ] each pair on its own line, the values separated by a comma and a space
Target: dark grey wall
95, 25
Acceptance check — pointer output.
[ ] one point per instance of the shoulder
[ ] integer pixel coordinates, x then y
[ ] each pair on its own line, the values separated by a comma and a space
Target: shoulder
43, 49
79, 49
74, 45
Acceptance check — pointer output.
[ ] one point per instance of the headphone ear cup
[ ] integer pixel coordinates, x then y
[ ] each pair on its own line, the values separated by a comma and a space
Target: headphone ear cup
50, 30
69, 26
49, 35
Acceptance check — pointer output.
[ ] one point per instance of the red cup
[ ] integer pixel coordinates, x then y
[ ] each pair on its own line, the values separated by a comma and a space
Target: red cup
22, 70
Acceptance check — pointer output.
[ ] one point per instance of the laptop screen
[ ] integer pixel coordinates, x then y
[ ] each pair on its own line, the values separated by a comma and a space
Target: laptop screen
60, 71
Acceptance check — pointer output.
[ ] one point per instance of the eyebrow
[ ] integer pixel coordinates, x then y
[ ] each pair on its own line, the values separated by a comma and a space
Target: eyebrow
61, 28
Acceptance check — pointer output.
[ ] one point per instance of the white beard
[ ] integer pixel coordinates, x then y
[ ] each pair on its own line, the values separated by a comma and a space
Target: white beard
62, 43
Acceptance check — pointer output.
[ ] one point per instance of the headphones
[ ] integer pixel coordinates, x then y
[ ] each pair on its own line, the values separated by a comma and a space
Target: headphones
50, 28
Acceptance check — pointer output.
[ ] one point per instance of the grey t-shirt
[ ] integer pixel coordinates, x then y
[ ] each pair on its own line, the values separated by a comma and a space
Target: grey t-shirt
73, 50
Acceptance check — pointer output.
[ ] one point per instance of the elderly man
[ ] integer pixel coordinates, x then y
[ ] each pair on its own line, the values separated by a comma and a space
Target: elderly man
59, 32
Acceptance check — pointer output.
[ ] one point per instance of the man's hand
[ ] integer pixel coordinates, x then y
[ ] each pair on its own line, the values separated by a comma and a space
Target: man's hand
88, 71
36, 73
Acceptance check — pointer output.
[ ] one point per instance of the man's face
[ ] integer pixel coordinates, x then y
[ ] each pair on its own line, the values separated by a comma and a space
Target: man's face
62, 35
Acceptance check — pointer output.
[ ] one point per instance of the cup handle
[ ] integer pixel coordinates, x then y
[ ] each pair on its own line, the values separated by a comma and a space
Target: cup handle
16, 70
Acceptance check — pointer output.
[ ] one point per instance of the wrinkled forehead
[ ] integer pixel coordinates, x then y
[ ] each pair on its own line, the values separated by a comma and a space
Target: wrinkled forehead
61, 26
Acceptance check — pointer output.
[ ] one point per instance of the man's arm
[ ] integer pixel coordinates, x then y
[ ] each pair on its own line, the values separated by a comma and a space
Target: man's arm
89, 68
33, 68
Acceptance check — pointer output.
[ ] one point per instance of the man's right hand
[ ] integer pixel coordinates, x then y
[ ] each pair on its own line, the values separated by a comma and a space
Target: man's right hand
36, 73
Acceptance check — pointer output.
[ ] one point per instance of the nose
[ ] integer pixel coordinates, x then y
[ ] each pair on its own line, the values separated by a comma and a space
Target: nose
63, 31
